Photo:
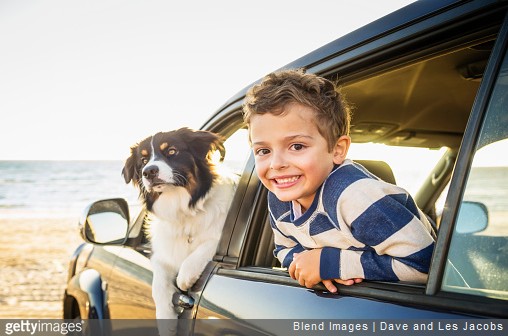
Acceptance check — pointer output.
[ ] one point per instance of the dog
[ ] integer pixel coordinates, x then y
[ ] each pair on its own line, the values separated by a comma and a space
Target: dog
188, 200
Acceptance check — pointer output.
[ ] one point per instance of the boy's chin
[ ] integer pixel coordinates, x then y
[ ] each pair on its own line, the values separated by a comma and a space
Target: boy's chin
284, 197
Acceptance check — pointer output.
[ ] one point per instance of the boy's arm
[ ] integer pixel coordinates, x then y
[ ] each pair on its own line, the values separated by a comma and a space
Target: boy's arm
285, 244
397, 238
291, 254
348, 264
285, 247
305, 268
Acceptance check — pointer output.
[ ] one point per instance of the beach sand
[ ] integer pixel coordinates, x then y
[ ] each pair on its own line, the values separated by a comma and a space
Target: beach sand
34, 255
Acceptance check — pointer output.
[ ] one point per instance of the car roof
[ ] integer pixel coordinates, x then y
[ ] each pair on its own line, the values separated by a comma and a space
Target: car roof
381, 26
424, 100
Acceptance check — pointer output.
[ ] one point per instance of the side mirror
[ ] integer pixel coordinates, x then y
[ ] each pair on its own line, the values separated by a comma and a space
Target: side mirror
105, 222
473, 217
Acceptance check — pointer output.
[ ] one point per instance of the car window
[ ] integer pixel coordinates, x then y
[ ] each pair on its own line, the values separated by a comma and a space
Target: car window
237, 151
477, 261
236, 154
409, 177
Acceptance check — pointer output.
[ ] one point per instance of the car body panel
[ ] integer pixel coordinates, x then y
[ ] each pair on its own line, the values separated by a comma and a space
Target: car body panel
279, 301
130, 286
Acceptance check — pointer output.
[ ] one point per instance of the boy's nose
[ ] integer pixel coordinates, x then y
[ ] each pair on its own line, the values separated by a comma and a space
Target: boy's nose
277, 162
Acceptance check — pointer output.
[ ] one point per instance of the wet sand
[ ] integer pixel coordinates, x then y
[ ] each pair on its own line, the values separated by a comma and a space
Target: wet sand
34, 255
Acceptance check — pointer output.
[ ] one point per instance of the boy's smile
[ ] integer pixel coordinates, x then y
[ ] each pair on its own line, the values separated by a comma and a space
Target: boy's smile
292, 157
283, 182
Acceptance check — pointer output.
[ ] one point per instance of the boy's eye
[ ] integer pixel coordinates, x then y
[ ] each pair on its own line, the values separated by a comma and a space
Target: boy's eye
262, 151
298, 147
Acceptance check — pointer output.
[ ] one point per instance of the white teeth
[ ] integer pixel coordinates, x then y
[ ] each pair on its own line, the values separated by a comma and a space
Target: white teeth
287, 179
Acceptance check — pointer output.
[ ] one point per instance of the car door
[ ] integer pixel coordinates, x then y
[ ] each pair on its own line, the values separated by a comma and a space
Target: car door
245, 294
248, 297
128, 286
129, 293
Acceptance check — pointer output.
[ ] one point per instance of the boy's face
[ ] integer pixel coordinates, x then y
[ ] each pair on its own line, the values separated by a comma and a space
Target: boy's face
292, 157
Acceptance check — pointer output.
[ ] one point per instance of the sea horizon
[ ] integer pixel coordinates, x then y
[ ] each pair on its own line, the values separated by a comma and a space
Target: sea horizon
59, 188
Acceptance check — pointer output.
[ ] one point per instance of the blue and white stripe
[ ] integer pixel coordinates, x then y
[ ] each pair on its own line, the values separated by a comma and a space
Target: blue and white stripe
372, 229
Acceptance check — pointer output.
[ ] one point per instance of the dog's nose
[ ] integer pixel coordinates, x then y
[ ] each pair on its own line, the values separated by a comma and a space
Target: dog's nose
151, 172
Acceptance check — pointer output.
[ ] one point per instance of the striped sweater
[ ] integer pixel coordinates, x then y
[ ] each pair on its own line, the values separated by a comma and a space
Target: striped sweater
367, 228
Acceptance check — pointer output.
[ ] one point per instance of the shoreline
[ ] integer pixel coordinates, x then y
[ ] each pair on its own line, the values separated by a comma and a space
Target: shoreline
41, 214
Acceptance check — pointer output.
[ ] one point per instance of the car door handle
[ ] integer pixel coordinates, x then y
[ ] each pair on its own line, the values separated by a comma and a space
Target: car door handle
183, 301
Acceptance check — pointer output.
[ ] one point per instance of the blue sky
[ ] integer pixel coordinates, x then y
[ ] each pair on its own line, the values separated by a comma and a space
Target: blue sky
87, 79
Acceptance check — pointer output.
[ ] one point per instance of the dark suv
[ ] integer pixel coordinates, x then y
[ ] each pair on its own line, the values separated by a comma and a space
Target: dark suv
429, 86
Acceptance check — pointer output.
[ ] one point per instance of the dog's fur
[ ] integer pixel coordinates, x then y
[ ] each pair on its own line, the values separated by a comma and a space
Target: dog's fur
189, 200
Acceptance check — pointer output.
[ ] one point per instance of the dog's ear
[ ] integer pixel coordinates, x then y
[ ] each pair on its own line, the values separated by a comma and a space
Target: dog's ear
204, 143
129, 171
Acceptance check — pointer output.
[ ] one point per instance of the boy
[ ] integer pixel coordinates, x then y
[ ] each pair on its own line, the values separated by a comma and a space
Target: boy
332, 219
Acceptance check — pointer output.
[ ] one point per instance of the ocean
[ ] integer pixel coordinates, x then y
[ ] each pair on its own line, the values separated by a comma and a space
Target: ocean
65, 188
59, 188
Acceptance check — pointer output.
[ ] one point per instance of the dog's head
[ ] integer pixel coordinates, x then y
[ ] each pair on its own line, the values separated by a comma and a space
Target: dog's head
180, 158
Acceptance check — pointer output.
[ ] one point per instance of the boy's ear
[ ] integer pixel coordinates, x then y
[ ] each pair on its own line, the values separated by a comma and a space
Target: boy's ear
341, 148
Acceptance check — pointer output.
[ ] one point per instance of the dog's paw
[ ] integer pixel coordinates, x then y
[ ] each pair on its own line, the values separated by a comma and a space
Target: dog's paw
186, 277
184, 281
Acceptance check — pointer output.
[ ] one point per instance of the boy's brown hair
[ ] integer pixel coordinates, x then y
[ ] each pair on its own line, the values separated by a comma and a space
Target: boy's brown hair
278, 89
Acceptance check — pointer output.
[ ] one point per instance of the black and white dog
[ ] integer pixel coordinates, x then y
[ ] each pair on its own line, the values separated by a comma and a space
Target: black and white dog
180, 186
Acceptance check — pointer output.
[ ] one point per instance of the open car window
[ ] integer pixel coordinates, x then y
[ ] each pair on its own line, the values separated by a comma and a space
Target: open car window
411, 117
408, 176
237, 151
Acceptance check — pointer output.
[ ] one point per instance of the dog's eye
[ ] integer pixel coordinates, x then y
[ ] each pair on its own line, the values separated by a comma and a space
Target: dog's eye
172, 151
144, 161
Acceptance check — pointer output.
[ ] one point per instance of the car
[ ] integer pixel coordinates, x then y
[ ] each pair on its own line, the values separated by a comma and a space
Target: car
429, 88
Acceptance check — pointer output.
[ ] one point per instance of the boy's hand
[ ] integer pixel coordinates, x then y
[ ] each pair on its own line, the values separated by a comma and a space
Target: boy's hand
331, 287
305, 269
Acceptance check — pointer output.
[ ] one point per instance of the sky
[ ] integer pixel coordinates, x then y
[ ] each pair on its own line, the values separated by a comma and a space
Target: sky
85, 80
